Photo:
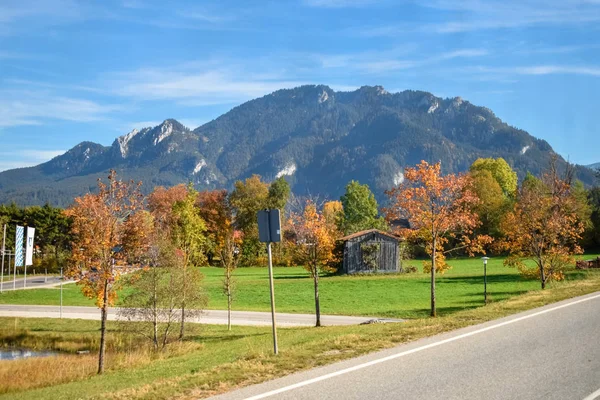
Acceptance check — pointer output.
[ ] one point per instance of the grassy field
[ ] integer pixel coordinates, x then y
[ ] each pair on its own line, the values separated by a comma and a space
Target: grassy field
213, 360
398, 295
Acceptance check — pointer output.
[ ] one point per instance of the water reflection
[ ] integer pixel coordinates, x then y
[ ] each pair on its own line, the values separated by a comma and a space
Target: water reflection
16, 354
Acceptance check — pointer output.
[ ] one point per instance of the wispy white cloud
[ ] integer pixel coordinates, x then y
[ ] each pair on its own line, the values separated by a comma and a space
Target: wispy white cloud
540, 70
17, 16
340, 3
207, 16
138, 125
22, 158
384, 64
474, 15
191, 123
558, 69
528, 49
33, 108
200, 87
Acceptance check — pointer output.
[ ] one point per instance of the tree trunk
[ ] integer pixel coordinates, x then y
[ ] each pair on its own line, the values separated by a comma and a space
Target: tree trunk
182, 327
542, 275
433, 254
184, 288
155, 313
317, 305
104, 312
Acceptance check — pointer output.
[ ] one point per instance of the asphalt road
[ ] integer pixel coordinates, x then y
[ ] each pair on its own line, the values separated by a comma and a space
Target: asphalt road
217, 317
546, 353
33, 282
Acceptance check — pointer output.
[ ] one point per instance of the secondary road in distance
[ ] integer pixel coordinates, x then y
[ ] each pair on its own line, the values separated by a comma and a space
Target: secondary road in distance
217, 317
33, 282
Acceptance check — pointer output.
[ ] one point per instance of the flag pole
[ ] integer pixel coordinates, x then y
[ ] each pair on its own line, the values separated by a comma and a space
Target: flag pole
3, 251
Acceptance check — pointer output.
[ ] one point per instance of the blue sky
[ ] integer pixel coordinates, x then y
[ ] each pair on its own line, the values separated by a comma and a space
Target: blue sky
83, 70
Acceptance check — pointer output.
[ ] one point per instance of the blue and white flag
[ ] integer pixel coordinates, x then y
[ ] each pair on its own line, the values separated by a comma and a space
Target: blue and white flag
29, 246
19, 246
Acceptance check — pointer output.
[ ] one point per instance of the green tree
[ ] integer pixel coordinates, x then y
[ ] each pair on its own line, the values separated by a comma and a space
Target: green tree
247, 198
493, 203
188, 235
278, 197
279, 194
500, 170
360, 209
157, 291
593, 234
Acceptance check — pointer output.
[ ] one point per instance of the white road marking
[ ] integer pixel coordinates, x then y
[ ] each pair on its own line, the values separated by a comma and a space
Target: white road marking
594, 395
415, 350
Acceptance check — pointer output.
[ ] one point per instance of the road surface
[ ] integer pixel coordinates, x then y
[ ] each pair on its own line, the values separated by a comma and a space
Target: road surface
217, 317
33, 282
551, 352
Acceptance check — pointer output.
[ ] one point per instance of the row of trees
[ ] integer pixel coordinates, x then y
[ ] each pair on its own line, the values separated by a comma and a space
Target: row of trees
542, 220
162, 237
175, 229
53, 235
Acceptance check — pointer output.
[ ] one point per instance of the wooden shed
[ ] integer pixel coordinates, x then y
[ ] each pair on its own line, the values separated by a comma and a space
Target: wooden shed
371, 251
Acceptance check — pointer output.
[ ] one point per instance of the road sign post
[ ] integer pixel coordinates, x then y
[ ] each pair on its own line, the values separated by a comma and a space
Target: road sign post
269, 231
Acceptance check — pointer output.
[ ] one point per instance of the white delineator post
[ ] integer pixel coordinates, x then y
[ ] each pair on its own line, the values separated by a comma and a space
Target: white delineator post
485, 261
3, 251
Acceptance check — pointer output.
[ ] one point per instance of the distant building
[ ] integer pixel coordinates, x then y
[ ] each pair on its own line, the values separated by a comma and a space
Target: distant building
371, 251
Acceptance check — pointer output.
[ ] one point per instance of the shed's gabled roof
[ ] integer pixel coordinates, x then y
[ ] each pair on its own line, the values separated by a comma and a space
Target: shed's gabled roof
362, 233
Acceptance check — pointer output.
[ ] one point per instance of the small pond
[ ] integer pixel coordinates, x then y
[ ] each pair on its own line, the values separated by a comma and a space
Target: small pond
16, 354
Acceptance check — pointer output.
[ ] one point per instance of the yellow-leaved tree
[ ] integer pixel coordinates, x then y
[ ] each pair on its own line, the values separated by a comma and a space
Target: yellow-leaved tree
311, 238
545, 226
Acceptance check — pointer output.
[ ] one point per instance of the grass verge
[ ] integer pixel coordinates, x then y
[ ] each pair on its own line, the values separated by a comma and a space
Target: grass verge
217, 360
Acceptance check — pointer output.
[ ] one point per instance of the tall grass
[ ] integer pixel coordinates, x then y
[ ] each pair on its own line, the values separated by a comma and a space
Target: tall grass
123, 351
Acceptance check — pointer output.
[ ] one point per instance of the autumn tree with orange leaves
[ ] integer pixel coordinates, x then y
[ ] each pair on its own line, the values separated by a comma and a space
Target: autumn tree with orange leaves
160, 204
440, 211
101, 222
224, 240
312, 240
544, 226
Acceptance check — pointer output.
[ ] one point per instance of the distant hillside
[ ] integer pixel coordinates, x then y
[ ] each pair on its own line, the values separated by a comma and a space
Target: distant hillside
316, 137
594, 166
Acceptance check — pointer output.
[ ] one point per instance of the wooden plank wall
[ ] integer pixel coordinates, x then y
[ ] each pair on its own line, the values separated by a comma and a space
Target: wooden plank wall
387, 256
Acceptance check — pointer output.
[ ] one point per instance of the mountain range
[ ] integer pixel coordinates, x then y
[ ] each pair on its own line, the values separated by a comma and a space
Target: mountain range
318, 138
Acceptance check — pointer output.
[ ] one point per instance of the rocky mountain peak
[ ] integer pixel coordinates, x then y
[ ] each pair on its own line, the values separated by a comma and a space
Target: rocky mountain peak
319, 139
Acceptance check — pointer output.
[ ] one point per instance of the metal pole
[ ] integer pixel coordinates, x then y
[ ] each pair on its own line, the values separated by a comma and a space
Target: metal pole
25, 276
485, 281
275, 348
61, 283
3, 251
15, 272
